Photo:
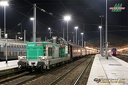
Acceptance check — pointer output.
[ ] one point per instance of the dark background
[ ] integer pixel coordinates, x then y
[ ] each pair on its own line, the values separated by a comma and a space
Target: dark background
85, 14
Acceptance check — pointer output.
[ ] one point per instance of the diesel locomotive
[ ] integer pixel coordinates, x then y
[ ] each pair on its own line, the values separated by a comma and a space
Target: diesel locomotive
48, 53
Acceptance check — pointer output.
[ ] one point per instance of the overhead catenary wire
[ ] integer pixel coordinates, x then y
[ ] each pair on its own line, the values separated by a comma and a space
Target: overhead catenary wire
42, 10
63, 4
49, 13
26, 16
22, 19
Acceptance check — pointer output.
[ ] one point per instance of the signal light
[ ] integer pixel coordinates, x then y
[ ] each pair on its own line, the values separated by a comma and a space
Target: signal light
62, 46
38, 44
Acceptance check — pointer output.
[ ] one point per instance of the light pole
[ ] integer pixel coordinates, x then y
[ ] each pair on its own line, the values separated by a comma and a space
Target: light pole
76, 27
106, 36
101, 16
0, 33
4, 3
82, 39
102, 44
100, 27
67, 18
20, 24
15, 38
73, 38
50, 31
34, 23
63, 32
6, 36
24, 36
32, 19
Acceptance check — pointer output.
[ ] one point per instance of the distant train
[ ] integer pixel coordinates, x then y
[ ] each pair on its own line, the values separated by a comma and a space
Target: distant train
45, 54
13, 49
114, 51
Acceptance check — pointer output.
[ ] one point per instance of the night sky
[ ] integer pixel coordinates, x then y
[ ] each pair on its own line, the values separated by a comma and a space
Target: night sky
85, 14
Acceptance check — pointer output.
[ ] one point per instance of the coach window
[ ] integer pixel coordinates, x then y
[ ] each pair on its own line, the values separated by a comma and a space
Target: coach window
14, 54
9, 53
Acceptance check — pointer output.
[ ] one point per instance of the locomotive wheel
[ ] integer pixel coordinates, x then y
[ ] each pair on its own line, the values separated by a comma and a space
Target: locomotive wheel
20, 67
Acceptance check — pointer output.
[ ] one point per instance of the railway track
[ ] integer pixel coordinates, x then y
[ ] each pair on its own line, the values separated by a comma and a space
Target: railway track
123, 57
20, 79
48, 77
73, 76
84, 74
13, 77
10, 73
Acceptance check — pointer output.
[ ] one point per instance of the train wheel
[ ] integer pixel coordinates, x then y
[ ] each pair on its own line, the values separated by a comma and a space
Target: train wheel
19, 67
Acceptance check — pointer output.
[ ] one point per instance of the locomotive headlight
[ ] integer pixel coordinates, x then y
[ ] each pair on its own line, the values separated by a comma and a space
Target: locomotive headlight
43, 57
21, 57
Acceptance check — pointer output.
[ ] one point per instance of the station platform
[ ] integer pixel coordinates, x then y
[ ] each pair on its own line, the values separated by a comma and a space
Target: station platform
9, 65
108, 72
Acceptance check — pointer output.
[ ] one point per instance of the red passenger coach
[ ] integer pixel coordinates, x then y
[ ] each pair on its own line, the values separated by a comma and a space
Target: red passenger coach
76, 50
